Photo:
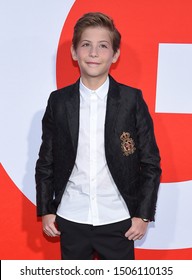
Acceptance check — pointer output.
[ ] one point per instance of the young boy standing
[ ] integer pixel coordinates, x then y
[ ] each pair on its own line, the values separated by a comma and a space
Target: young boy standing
98, 170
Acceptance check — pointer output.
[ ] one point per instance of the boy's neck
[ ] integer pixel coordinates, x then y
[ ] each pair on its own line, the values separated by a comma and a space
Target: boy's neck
93, 83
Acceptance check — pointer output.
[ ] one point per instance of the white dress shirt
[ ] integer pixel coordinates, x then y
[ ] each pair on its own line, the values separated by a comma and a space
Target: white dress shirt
91, 196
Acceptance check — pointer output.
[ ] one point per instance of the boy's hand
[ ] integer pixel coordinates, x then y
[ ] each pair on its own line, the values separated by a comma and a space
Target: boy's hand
48, 223
137, 230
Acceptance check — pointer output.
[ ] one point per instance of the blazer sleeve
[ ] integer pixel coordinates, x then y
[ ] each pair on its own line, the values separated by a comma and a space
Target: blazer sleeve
150, 170
44, 166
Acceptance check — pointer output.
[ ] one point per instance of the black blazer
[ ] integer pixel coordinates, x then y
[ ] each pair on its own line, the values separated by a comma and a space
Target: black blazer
131, 151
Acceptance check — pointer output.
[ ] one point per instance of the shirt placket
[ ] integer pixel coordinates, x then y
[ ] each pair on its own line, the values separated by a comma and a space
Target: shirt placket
93, 157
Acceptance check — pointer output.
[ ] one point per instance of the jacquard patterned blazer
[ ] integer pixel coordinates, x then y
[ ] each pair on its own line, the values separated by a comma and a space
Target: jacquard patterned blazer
131, 151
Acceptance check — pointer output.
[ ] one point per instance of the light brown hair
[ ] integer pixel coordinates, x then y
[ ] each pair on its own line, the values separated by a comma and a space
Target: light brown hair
96, 19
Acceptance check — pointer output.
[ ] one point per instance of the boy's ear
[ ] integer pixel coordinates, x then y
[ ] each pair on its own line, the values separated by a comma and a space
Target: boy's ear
116, 56
73, 53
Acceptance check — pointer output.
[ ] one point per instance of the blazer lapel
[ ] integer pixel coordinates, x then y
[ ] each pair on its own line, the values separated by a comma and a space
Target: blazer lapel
113, 104
72, 106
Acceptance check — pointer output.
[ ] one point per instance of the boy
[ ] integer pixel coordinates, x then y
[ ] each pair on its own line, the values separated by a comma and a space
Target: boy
98, 170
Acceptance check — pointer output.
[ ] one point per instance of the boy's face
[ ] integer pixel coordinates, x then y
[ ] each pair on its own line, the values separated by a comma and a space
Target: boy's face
94, 53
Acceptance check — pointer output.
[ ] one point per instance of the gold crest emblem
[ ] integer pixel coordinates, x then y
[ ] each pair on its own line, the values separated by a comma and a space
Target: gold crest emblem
127, 144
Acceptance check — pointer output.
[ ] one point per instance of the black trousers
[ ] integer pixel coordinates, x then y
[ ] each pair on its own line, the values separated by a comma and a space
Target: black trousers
82, 241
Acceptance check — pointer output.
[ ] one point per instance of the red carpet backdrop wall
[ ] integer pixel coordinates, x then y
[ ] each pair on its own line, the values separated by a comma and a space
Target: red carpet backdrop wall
156, 56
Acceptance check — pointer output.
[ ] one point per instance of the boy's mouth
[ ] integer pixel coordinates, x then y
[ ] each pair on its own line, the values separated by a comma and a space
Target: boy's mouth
93, 63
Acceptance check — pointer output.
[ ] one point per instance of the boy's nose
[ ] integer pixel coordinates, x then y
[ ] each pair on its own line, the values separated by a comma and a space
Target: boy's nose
93, 51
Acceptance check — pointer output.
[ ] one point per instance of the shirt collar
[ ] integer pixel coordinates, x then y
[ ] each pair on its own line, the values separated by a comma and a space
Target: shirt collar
101, 92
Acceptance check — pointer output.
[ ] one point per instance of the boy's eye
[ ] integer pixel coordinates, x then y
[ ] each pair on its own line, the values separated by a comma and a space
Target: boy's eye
85, 44
103, 46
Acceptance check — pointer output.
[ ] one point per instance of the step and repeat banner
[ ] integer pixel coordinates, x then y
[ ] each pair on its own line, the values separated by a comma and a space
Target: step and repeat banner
156, 56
